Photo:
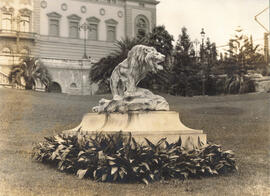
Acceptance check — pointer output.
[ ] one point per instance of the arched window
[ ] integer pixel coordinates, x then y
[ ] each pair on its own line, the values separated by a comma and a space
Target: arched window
6, 50
73, 85
141, 25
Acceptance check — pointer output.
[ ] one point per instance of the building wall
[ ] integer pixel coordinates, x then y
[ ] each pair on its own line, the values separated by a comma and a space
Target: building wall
17, 5
92, 9
62, 46
14, 39
71, 75
134, 8
59, 47
61, 54
41, 44
65, 48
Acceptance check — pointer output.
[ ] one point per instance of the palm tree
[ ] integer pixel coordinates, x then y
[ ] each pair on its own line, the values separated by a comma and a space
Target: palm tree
124, 45
31, 70
102, 70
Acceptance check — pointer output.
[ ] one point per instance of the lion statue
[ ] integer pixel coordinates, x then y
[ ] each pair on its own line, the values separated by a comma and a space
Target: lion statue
125, 78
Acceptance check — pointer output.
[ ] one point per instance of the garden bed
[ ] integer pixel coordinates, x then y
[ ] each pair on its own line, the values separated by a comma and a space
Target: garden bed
116, 158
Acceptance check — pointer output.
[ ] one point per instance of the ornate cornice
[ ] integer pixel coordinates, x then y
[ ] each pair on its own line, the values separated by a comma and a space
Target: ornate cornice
10, 10
26, 2
4, 9
93, 19
74, 17
103, 2
146, 1
54, 15
111, 22
25, 11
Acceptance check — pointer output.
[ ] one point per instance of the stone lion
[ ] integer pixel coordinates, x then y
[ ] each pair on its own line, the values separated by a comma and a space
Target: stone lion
125, 77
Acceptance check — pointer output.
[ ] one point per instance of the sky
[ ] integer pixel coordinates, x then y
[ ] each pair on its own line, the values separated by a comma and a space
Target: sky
219, 18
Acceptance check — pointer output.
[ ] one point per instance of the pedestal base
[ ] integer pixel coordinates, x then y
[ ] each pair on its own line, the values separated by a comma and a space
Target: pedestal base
152, 125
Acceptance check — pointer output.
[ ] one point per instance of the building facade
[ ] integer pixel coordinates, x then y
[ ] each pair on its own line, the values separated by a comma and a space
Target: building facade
52, 29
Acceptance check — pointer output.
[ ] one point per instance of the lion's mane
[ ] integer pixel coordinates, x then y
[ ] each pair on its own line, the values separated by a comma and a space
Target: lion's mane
141, 59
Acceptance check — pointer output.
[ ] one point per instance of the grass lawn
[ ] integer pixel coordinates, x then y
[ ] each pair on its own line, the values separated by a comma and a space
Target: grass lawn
237, 122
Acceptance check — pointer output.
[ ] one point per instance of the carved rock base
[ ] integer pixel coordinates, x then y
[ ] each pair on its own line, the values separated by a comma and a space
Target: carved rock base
153, 125
140, 100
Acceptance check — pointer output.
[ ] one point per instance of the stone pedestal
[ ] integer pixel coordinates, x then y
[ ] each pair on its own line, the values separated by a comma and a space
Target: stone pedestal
153, 125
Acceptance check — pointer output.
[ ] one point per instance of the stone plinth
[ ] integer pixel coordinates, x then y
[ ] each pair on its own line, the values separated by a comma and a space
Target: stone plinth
153, 125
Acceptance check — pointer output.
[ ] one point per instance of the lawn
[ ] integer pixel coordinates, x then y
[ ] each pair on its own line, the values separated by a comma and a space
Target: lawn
237, 122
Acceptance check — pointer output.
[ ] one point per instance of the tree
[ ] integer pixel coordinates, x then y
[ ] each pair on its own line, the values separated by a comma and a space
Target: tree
243, 53
243, 56
184, 45
208, 64
31, 70
184, 67
160, 39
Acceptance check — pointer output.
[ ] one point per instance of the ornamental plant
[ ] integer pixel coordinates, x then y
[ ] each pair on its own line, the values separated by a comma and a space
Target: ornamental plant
30, 70
119, 158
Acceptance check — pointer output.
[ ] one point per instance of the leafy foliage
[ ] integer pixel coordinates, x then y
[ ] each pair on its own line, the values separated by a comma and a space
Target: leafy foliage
243, 53
208, 55
185, 68
185, 73
31, 70
119, 158
243, 56
160, 39
238, 84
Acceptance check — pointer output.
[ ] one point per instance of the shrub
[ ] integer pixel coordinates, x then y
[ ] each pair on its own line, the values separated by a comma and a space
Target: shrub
238, 84
31, 70
119, 158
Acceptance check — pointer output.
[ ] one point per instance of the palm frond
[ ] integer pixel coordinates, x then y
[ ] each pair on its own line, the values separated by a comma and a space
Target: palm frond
31, 69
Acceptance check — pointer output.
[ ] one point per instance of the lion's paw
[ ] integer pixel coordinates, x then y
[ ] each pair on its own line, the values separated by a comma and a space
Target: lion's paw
128, 93
96, 109
117, 97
